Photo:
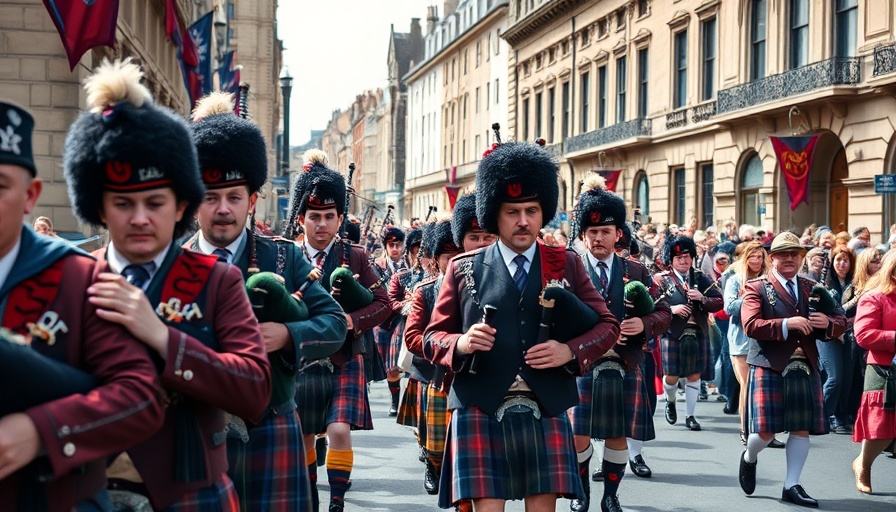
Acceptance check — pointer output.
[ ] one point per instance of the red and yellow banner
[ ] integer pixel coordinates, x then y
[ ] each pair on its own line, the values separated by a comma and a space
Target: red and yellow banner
795, 157
611, 176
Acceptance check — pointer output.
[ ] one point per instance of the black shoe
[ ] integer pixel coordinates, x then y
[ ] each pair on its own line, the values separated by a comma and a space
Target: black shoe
798, 496
393, 410
336, 505
422, 457
320, 446
639, 467
430, 479
747, 475
577, 505
692, 424
729, 410
671, 413
315, 498
598, 475
610, 504
775, 443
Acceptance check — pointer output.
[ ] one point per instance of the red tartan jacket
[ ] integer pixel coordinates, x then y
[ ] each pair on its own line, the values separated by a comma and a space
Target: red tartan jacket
78, 432
236, 379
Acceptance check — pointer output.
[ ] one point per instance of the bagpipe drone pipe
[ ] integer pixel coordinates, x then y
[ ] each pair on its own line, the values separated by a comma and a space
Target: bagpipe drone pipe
30, 378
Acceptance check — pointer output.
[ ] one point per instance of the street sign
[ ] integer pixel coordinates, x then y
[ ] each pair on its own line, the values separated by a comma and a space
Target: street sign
885, 184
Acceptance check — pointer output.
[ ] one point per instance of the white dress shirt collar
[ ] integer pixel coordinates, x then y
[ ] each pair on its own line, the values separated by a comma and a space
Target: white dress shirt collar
508, 254
117, 262
7, 261
207, 247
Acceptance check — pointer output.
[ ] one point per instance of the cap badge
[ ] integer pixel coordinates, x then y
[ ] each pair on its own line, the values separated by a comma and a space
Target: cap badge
9, 140
514, 189
595, 217
118, 172
211, 175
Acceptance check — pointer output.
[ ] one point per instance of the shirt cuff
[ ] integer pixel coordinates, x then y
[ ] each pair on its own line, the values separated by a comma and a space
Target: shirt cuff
784, 328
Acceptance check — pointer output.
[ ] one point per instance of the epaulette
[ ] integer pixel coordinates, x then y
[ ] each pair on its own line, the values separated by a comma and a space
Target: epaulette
468, 254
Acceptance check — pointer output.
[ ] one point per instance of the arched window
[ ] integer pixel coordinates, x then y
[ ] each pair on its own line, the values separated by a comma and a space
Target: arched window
642, 194
751, 181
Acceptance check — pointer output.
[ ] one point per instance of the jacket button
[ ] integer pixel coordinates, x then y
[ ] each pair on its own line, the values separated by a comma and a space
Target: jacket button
522, 322
188, 375
69, 449
64, 430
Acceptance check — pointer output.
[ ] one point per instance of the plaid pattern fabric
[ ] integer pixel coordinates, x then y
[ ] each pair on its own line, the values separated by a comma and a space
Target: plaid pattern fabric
220, 497
437, 418
518, 457
766, 404
395, 340
350, 404
672, 356
374, 368
269, 472
411, 401
314, 392
631, 417
383, 340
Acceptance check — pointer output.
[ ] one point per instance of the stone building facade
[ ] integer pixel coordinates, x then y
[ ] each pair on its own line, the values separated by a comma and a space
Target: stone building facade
682, 95
455, 95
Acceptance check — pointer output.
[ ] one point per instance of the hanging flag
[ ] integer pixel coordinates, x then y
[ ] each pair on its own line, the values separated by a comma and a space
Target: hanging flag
175, 30
83, 24
228, 77
795, 155
452, 175
611, 176
201, 34
452, 195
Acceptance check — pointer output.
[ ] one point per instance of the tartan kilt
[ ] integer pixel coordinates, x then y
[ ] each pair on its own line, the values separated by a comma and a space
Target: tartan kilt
766, 409
437, 419
632, 417
714, 340
269, 472
411, 402
518, 457
672, 363
373, 362
219, 497
314, 392
347, 402
383, 338
396, 337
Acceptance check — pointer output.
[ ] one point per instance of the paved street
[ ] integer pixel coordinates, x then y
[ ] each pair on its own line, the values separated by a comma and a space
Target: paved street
692, 471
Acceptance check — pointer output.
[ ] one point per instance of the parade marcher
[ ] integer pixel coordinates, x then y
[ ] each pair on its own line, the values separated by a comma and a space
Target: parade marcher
267, 463
399, 287
784, 387
387, 265
835, 358
600, 222
335, 389
875, 328
510, 437
131, 167
54, 452
685, 347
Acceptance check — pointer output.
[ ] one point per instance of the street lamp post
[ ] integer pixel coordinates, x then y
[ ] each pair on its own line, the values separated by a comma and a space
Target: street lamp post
286, 88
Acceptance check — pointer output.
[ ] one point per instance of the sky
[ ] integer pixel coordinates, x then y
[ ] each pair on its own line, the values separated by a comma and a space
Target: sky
335, 50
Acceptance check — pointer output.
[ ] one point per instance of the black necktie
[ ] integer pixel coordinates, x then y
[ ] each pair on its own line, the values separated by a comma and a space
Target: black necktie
604, 280
520, 275
137, 275
319, 259
222, 254
792, 290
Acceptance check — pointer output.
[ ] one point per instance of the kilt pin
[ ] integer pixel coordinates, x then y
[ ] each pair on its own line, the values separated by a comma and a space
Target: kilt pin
495, 449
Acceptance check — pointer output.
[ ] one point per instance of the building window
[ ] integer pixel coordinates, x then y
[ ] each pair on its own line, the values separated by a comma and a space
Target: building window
846, 17
488, 93
477, 100
758, 19
497, 41
526, 119
566, 106
552, 113
538, 113
585, 92
799, 33
620, 89
488, 45
478, 146
466, 56
643, 86
465, 105
552, 55
585, 37
751, 181
538, 61
643, 8
478, 53
680, 93
601, 96
620, 19
642, 193
463, 151
679, 196
497, 91
708, 73
707, 186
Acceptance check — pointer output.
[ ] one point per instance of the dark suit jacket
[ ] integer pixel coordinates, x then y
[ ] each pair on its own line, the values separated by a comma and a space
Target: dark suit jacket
516, 322
655, 323
712, 301
236, 378
79, 431
763, 321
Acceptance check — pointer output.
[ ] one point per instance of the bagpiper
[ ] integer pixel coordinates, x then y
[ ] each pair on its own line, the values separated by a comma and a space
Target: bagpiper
510, 437
785, 314
332, 392
387, 265
56, 435
131, 167
618, 412
399, 287
267, 462
685, 346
